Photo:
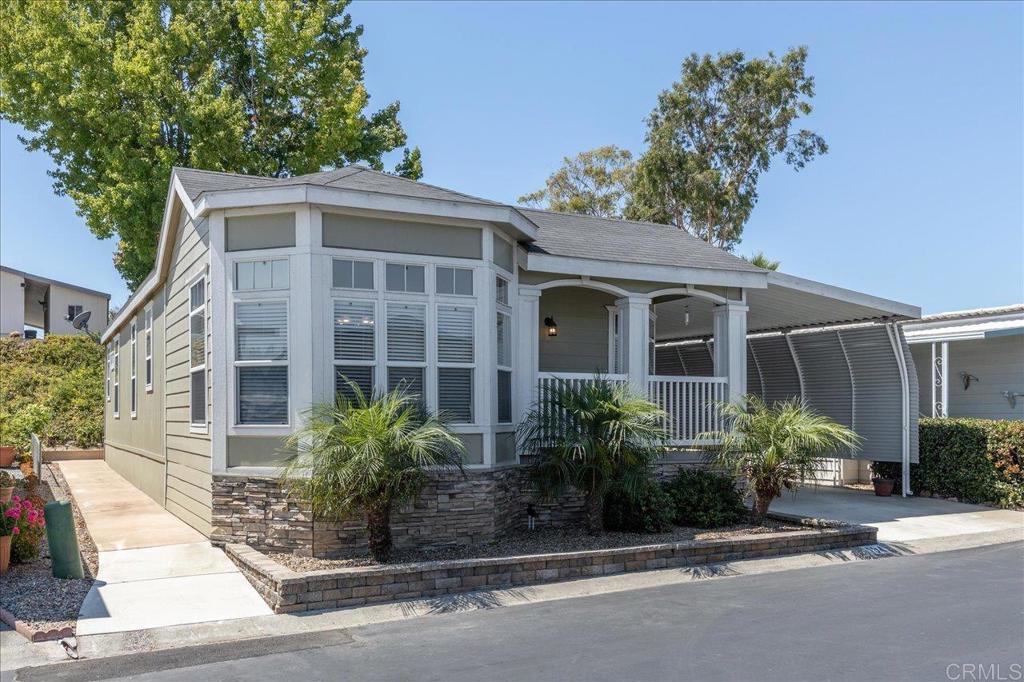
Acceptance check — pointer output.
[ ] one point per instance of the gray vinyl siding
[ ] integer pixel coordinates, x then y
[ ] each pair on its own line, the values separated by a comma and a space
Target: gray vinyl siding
997, 362
582, 341
134, 447
189, 466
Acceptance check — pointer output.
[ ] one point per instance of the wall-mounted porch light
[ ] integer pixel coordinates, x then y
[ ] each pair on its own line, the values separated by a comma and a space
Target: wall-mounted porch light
552, 326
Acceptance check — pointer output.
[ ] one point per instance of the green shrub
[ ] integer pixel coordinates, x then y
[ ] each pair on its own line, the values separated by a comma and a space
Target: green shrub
705, 499
974, 460
650, 510
60, 377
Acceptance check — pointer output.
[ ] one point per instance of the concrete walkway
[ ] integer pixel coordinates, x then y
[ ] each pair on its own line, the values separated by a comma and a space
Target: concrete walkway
899, 519
154, 570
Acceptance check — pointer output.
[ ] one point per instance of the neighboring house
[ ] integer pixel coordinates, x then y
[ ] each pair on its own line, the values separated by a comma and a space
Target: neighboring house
48, 305
269, 293
970, 363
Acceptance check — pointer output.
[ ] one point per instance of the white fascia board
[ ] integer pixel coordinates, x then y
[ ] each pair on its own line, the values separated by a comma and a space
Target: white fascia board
165, 245
566, 265
373, 201
810, 286
962, 330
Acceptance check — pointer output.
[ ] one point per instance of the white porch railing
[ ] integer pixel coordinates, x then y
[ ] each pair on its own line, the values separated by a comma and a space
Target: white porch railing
691, 402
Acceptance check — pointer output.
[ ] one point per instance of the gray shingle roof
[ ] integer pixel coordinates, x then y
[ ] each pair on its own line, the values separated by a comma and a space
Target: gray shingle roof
626, 241
560, 234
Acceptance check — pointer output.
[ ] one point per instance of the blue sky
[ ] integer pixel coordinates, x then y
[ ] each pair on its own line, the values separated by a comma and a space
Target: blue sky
921, 198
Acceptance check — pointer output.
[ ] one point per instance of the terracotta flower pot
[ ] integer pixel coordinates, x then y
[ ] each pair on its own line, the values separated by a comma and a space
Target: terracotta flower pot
6, 493
6, 456
5, 553
883, 486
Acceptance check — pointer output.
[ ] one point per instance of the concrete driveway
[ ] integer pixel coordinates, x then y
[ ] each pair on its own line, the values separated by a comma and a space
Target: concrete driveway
899, 519
155, 570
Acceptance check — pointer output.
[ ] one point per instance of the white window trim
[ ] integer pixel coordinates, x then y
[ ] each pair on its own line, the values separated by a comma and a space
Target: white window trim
201, 310
117, 376
133, 404
264, 296
109, 374
147, 317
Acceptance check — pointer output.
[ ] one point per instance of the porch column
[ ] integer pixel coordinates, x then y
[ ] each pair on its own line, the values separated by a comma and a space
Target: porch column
634, 318
731, 347
527, 358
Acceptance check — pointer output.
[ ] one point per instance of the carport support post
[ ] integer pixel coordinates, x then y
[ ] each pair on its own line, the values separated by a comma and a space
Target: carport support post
731, 347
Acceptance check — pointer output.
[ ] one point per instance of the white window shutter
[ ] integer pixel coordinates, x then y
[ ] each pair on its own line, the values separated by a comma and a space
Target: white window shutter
353, 330
454, 334
406, 332
261, 331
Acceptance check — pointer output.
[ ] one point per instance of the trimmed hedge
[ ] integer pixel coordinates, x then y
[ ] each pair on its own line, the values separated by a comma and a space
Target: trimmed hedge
975, 460
650, 511
706, 499
53, 386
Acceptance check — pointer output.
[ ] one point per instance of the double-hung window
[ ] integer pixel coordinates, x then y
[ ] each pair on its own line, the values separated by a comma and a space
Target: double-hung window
148, 341
354, 347
455, 361
261, 362
110, 371
503, 354
406, 346
117, 376
197, 353
135, 370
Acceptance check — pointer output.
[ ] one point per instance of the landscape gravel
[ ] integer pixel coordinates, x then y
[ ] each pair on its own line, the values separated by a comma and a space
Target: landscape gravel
540, 541
30, 592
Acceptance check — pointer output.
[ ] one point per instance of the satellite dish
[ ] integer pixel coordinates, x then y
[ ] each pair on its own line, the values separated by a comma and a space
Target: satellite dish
81, 320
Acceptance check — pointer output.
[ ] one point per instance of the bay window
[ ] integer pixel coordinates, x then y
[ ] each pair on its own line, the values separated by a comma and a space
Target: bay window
197, 354
407, 278
453, 281
351, 274
261, 363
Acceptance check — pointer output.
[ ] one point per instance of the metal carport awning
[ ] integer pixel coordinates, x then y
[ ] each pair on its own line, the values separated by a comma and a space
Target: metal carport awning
839, 350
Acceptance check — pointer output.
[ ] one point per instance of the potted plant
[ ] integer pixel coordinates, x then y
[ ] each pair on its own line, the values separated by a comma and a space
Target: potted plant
9, 516
883, 486
25, 463
30, 527
6, 486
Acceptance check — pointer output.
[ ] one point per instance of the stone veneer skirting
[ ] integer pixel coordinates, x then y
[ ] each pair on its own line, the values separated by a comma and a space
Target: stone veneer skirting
287, 591
451, 509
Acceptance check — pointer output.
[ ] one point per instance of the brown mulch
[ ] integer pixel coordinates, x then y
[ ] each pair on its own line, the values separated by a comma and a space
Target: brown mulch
30, 592
540, 541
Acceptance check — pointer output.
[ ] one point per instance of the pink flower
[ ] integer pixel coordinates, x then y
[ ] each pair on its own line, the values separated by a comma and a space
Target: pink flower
16, 499
16, 530
14, 513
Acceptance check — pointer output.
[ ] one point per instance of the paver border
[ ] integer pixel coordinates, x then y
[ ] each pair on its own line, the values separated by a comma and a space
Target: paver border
287, 591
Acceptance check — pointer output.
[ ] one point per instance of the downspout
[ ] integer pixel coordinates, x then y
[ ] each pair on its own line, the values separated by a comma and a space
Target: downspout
897, 350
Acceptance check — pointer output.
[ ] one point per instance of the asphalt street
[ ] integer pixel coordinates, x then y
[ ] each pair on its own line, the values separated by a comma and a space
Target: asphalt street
948, 616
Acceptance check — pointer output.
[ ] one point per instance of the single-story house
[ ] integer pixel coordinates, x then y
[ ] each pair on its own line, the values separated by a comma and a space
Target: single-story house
970, 363
30, 304
267, 293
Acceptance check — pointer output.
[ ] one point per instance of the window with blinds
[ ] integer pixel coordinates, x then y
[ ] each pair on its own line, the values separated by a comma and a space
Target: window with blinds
354, 347
148, 317
197, 354
454, 334
503, 358
261, 362
406, 332
500, 290
117, 376
504, 396
455, 393
134, 398
110, 371
408, 378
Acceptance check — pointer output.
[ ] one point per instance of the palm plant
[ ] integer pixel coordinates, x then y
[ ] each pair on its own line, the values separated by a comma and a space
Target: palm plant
367, 455
591, 437
773, 446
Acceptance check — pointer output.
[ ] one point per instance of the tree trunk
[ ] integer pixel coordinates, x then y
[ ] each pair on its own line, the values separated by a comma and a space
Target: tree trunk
594, 510
378, 529
762, 498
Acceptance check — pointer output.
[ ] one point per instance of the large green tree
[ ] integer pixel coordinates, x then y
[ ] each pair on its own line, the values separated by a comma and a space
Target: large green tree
119, 91
712, 135
594, 182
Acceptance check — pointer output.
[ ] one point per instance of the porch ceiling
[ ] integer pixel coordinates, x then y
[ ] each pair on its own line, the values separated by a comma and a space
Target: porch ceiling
788, 303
